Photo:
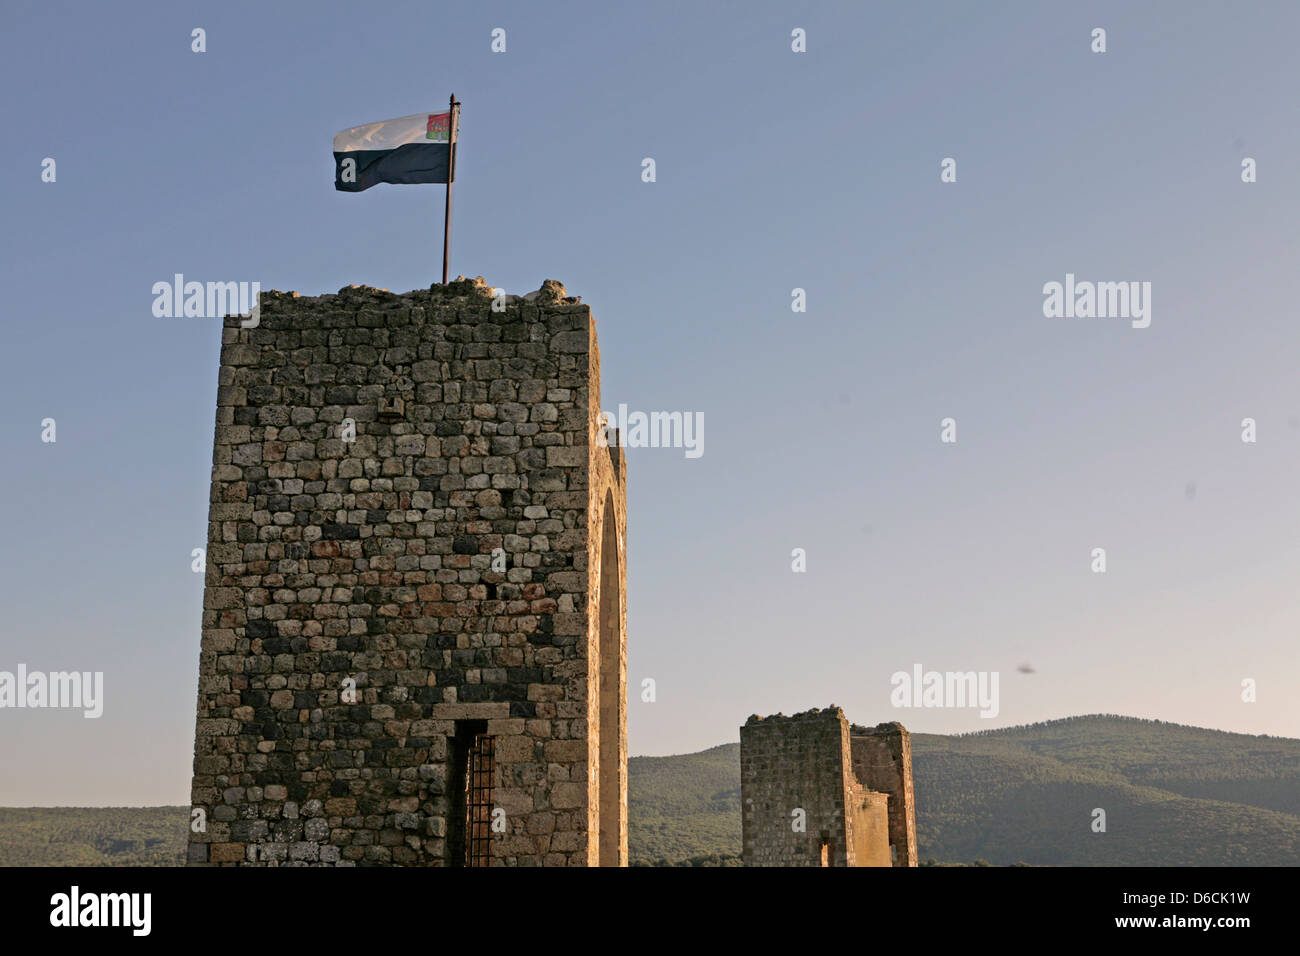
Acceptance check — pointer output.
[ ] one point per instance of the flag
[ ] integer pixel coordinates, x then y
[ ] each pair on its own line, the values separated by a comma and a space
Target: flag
413, 149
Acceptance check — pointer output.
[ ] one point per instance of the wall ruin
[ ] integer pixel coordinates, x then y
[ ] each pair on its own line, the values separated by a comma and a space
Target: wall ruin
816, 792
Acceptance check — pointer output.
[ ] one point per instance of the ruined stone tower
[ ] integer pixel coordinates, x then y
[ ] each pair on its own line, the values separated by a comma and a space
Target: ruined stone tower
816, 791
414, 646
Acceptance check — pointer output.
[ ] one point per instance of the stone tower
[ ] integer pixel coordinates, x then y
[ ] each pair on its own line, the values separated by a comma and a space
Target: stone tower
816, 791
414, 622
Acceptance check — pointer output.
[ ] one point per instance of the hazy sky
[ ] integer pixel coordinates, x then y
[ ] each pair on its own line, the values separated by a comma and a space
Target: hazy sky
775, 170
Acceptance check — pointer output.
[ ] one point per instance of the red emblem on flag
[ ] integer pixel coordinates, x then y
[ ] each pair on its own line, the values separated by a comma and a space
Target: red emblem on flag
438, 126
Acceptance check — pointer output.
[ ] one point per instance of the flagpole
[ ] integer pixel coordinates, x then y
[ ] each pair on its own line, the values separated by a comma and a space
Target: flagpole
451, 175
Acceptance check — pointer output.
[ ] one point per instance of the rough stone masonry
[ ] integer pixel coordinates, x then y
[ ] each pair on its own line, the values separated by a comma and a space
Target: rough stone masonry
816, 790
414, 619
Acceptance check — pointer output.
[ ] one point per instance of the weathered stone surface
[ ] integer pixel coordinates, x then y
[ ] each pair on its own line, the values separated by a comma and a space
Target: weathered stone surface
815, 792
377, 459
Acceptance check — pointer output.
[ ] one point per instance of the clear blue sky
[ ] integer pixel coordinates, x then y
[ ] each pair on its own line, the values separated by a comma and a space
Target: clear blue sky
775, 170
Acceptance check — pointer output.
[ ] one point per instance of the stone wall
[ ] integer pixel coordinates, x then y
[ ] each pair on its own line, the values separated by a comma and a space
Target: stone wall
870, 828
460, 561
789, 764
809, 762
882, 761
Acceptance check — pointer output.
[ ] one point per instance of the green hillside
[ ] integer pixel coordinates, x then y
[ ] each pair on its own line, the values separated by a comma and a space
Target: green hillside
1191, 761
1173, 796
1007, 808
93, 836
684, 806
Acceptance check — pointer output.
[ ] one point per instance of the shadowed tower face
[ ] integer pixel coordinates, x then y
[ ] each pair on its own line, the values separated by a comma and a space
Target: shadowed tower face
612, 774
414, 625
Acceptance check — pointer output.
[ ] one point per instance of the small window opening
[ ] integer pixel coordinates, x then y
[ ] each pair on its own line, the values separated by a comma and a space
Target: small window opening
473, 765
